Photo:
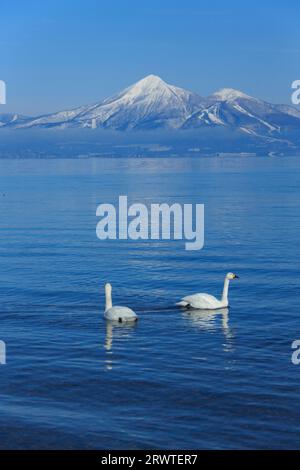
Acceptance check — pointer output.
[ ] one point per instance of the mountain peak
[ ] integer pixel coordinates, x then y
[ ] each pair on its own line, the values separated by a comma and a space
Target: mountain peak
148, 83
228, 94
152, 79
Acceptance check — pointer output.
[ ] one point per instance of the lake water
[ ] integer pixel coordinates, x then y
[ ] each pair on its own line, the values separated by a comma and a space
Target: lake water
175, 379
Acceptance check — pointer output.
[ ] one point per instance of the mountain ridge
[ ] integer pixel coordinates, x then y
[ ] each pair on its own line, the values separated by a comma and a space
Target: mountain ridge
151, 104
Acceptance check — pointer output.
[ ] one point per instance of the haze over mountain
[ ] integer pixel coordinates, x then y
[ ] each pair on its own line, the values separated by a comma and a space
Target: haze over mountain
153, 104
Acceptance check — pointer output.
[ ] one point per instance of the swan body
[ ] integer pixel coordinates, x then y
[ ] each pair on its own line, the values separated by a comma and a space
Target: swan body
117, 313
207, 301
202, 301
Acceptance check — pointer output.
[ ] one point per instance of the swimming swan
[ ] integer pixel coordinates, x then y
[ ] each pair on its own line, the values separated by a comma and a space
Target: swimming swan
119, 314
206, 301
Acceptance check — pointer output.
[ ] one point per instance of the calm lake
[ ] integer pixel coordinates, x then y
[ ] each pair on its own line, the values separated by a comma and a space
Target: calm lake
176, 379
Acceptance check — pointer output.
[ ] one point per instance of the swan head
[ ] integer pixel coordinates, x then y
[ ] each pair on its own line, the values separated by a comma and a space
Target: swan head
231, 276
108, 288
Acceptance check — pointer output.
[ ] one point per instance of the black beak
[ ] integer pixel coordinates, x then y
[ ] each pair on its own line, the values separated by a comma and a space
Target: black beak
236, 277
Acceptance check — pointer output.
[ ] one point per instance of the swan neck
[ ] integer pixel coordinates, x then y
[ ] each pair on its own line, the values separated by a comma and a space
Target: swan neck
225, 290
108, 299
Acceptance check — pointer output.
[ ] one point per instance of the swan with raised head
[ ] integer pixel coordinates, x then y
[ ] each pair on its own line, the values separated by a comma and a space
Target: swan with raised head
117, 313
207, 301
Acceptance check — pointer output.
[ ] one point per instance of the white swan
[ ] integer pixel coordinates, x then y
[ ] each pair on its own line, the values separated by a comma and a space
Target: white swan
119, 314
206, 301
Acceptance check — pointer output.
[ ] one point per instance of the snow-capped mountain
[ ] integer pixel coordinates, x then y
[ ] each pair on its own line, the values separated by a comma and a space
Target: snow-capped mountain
148, 104
7, 119
234, 109
151, 103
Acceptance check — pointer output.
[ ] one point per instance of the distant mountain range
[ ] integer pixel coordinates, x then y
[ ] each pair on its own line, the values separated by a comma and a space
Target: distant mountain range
152, 104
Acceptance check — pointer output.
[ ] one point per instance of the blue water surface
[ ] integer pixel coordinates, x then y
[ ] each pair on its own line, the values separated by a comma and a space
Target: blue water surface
176, 379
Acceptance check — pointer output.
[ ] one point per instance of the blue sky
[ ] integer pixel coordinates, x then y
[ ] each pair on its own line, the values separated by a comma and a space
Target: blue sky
60, 54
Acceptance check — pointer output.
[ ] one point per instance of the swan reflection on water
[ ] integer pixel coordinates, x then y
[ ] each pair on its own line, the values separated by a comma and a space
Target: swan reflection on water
208, 320
115, 331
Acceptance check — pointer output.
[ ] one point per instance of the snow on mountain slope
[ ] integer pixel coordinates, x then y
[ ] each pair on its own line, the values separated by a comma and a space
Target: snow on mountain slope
207, 117
239, 111
8, 118
231, 114
241, 102
149, 103
152, 103
61, 119
228, 94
